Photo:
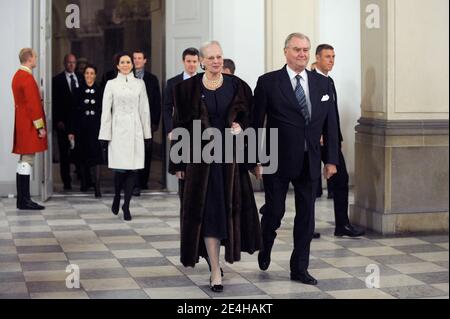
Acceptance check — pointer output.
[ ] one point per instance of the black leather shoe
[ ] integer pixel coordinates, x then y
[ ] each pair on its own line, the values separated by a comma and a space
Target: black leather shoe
264, 260
98, 193
29, 205
304, 277
215, 288
348, 230
35, 206
316, 235
137, 191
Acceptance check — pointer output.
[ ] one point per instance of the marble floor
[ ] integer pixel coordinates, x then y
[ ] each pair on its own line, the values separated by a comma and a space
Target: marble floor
141, 259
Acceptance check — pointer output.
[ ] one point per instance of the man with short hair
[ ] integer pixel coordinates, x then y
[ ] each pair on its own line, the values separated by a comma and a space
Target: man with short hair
154, 98
191, 62
325, 56
65, 88
298, 104
229, 67
30, 135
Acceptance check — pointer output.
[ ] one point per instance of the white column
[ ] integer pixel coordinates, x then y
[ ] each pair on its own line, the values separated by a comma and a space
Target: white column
339, 26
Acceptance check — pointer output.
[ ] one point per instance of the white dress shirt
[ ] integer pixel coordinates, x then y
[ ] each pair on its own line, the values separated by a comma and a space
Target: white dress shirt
77, 85
321, 73
187, 76
304, 83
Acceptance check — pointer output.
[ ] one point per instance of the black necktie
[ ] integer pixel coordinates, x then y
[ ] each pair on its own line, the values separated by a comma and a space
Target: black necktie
301, 98
73, 84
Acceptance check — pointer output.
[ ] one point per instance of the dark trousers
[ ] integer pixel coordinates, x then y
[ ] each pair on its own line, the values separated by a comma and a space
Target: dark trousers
320, 188
64, 160
276, 188
339, 185
144, 174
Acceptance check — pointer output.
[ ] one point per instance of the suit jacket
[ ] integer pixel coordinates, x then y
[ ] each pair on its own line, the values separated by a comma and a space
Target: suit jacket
168, 102
154, 97
63, 99
333, 87
275, 98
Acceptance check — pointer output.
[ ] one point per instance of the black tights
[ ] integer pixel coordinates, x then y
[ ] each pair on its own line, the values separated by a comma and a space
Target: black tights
123, 180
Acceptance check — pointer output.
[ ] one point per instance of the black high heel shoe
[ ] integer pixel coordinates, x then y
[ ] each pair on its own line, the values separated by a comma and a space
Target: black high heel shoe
209, 265
215, 288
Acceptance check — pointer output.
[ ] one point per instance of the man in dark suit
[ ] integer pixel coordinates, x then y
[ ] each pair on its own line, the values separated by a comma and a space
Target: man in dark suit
65, 88
191, 62
154, 98
325, 56
299, 105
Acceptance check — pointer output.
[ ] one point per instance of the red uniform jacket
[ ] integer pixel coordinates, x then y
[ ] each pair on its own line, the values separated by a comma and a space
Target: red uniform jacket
29, 112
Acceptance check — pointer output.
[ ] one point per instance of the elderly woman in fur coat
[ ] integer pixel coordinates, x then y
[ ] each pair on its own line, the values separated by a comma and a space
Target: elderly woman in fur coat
218, 205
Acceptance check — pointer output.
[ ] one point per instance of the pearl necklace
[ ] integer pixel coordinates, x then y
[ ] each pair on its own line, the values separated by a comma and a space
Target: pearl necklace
212, 84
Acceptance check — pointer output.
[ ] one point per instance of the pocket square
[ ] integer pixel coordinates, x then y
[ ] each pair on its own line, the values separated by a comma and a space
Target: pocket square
325, 98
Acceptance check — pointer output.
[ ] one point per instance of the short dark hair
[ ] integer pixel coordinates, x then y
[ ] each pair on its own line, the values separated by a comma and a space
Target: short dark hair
190, 51
90, 66
322, 47
122, 54
229, 64
140, 52
67, 56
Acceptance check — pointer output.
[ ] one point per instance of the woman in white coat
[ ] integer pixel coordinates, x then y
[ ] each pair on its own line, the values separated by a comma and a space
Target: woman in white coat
125, 129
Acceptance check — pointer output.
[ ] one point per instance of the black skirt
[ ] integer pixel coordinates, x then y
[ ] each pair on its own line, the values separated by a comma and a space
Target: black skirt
215, 215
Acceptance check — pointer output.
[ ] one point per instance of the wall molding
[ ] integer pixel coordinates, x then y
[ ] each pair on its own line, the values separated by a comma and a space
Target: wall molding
402, 128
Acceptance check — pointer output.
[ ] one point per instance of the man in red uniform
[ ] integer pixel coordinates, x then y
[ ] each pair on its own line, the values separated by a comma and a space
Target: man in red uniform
30, 135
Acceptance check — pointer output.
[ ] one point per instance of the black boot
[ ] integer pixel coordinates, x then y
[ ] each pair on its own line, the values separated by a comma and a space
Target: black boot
24, 201
96, 174
128, 193
118, 184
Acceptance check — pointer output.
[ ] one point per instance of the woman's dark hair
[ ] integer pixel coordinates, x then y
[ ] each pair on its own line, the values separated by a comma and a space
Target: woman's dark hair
90, 66
121, 55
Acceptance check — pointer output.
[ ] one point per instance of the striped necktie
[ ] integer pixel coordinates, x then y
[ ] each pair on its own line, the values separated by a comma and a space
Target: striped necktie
301, 98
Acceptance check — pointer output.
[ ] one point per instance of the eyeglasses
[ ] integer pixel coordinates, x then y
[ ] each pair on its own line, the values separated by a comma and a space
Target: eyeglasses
212, 58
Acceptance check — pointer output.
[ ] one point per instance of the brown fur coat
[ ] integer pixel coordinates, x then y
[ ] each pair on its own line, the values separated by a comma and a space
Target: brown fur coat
243, 226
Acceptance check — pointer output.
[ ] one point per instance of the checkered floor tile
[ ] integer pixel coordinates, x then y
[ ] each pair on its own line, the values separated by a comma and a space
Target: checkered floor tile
141, 259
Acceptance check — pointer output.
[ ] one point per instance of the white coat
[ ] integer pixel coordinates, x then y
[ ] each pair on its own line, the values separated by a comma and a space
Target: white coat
125, 122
